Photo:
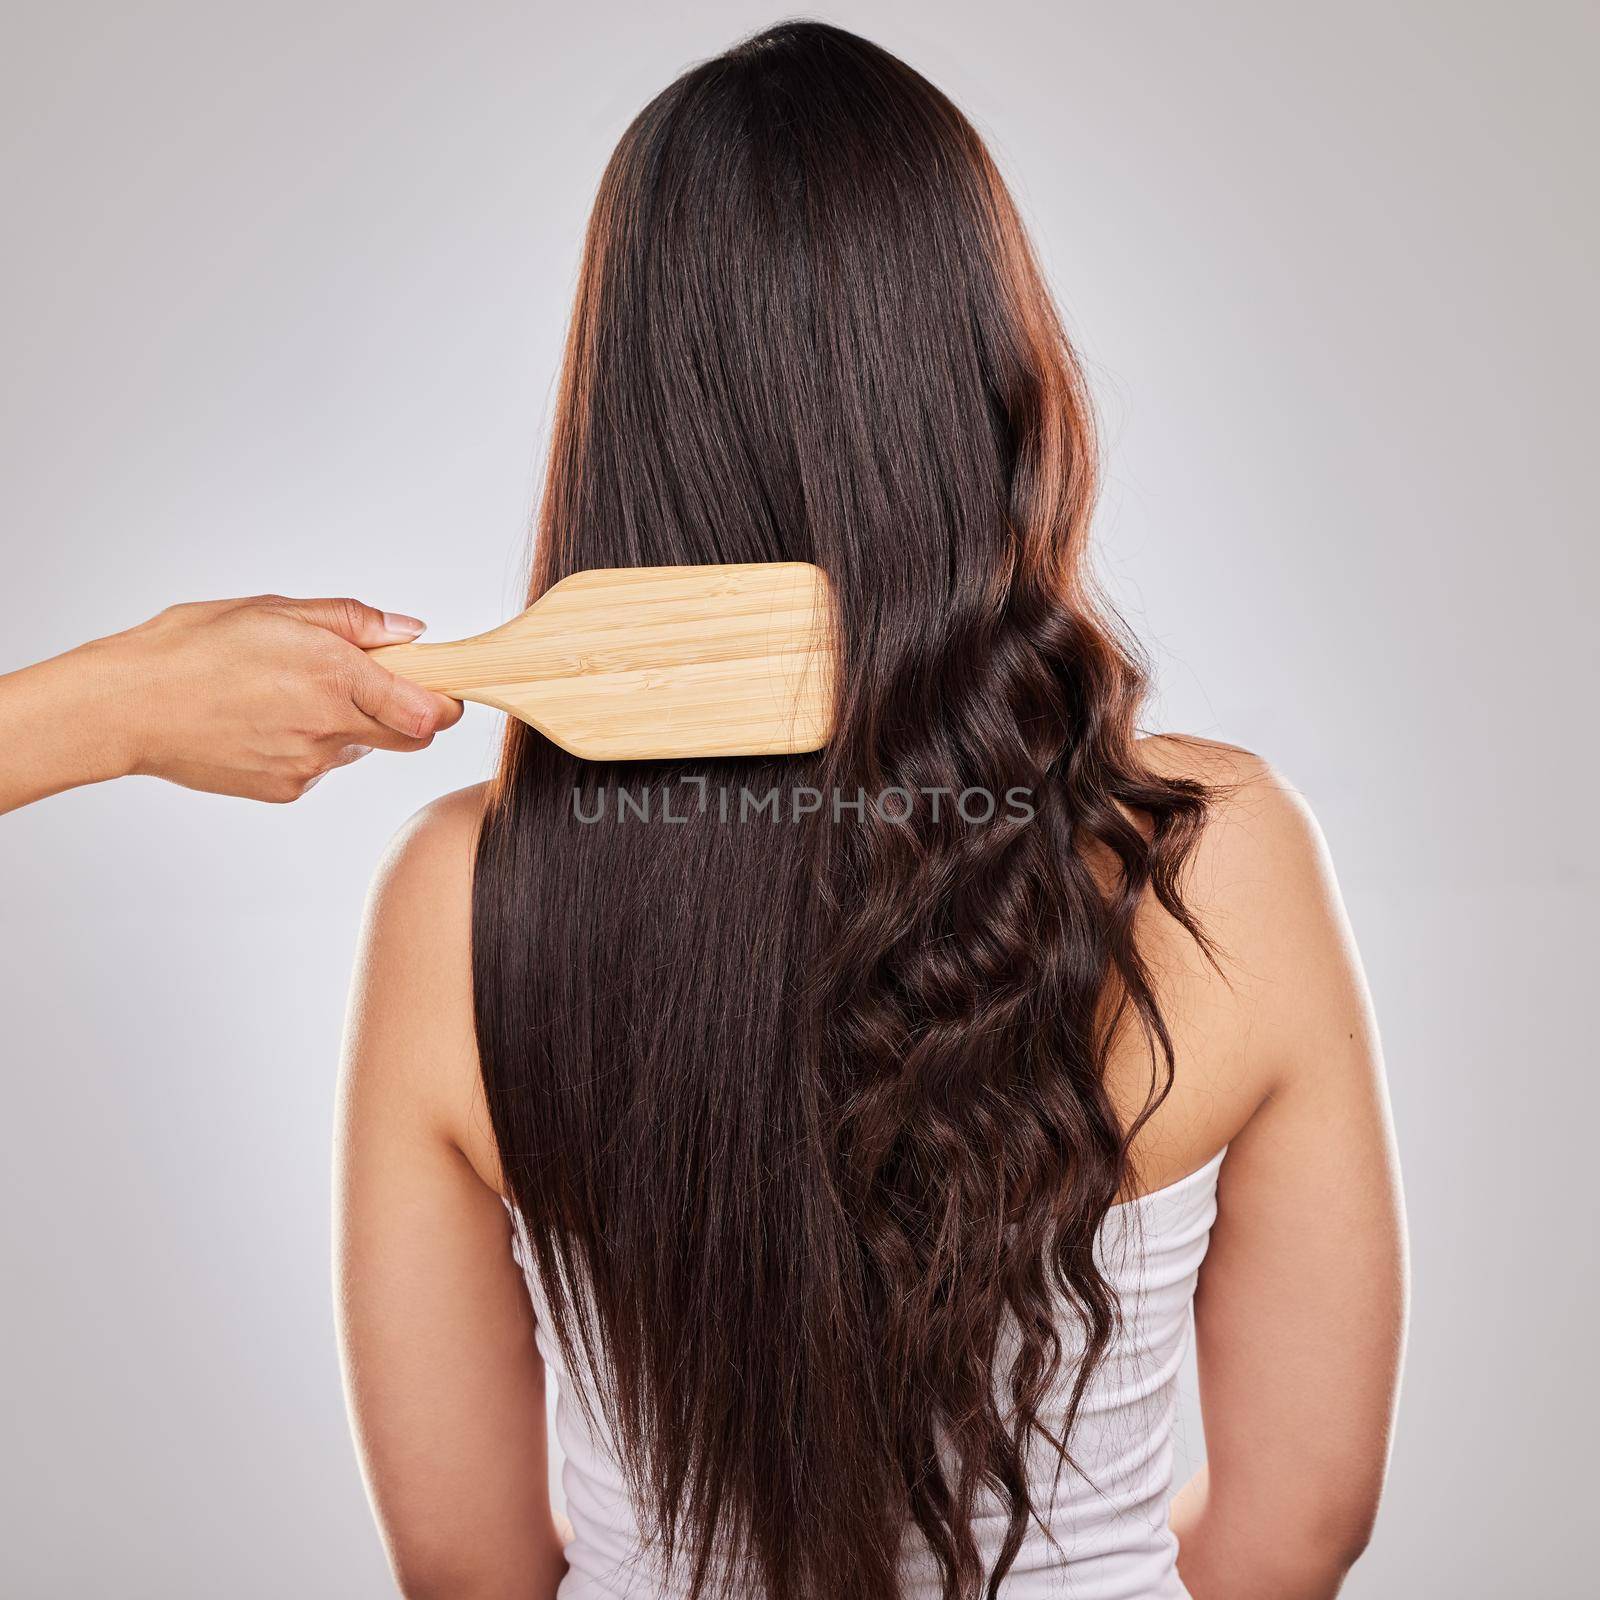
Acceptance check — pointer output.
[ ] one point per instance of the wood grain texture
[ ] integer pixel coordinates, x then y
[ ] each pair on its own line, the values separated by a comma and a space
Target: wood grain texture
634, 663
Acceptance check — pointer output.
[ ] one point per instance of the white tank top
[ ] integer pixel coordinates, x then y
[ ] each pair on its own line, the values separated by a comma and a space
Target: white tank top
1108, 1521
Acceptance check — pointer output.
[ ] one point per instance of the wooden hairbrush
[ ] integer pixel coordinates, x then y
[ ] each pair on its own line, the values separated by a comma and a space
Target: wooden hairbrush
633, 663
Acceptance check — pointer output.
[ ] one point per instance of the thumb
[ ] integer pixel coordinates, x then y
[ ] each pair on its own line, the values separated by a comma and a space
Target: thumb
397, 703
362, 625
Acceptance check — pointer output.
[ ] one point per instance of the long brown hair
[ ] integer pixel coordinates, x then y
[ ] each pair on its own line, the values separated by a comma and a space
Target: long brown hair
803, 1104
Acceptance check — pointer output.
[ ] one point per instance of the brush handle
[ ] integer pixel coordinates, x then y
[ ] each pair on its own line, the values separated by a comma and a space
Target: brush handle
457, 668
434, 666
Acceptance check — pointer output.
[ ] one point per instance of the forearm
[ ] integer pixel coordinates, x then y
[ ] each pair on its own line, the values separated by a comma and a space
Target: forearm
257, 698
1227, 1553
58, 726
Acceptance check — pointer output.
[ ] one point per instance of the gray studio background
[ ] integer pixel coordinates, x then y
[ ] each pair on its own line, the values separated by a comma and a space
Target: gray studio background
282, 295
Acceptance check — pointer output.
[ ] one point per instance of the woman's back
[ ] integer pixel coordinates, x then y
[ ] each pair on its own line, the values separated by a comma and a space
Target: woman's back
1277, 1101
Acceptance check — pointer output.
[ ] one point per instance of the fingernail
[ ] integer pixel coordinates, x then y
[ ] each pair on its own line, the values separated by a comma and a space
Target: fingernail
396, 622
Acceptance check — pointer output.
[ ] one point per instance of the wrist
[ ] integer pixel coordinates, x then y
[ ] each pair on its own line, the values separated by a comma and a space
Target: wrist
55, 731
88, 696
114, 697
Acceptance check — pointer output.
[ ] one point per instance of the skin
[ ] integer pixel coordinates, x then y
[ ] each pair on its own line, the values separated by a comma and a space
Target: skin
1301, 1304
258, 698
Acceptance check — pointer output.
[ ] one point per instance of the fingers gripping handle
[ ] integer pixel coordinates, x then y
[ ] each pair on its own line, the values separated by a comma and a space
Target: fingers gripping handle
433, 666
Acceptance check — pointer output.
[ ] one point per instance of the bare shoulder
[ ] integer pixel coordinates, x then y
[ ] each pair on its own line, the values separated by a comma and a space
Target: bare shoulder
1281, 980
411, 1012
1241, 781
430, 855
1262, 884
1262, 851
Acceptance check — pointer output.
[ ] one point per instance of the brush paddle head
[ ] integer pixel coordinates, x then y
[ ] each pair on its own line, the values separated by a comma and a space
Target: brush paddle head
634, 663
